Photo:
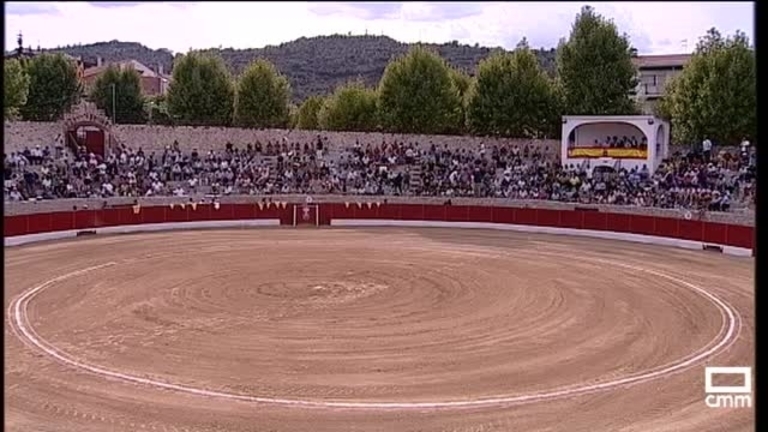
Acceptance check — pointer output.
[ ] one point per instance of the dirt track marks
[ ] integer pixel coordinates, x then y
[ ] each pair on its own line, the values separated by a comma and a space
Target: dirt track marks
399, 317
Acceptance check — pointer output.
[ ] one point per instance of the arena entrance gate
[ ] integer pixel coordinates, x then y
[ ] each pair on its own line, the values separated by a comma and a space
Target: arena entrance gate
87, 126
306, 214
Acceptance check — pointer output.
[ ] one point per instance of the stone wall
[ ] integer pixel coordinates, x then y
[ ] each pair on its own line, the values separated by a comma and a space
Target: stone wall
18, 135
16, 208
154, 138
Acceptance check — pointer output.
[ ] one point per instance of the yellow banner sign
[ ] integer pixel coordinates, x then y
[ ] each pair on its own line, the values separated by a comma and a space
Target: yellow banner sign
615, 153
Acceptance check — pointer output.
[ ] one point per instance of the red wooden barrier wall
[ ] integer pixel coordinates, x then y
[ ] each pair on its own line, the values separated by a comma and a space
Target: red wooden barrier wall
706, 232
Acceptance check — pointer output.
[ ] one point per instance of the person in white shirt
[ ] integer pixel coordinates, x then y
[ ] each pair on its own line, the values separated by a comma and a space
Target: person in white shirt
725, 202
107, 189
15, 195
706, 148
744, 148
744, 145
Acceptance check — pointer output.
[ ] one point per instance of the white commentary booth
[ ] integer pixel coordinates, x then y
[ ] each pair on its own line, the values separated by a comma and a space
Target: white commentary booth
614, 142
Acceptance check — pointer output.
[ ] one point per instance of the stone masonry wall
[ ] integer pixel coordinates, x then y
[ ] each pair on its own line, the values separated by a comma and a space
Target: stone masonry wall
154, 138
17, 135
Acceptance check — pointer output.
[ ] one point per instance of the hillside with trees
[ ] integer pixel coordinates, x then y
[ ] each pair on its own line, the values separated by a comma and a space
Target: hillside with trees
373, 83
313, 66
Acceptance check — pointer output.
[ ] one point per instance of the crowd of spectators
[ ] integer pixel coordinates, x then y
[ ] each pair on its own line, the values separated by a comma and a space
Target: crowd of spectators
716, 182
631, 142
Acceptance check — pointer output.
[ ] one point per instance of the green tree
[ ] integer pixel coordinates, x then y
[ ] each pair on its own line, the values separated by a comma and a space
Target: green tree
595, 68
263, 97
351, 107
715, 96
53, 88
202, 92
293, 116
513, 97
463, 83
15, 87
118, 92
156, 109
307, 115
417, 95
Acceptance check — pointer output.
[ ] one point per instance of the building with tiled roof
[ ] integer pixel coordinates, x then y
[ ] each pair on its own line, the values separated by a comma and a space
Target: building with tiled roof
152, 83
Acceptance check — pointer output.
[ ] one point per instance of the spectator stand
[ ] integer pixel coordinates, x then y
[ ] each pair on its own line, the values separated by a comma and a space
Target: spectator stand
614, 142
685, 183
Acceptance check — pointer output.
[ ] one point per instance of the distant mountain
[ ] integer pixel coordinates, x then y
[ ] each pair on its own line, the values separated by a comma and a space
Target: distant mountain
314, 66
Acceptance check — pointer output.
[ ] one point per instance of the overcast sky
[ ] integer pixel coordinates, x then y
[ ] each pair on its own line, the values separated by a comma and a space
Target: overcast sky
654, 27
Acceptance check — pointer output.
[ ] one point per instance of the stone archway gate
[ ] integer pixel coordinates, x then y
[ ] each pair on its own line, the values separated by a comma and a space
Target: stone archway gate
83, 115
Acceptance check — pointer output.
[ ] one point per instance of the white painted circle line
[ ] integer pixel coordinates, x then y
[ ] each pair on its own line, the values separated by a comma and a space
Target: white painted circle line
730, 328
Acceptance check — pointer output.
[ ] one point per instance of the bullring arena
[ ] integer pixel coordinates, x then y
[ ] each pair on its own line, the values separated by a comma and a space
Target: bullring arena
372, 321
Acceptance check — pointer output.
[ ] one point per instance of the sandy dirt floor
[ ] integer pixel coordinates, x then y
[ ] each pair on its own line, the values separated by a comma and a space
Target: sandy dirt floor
370, 330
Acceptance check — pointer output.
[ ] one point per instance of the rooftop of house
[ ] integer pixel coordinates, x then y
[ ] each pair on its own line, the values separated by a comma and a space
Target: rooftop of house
142, 69
661, 61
